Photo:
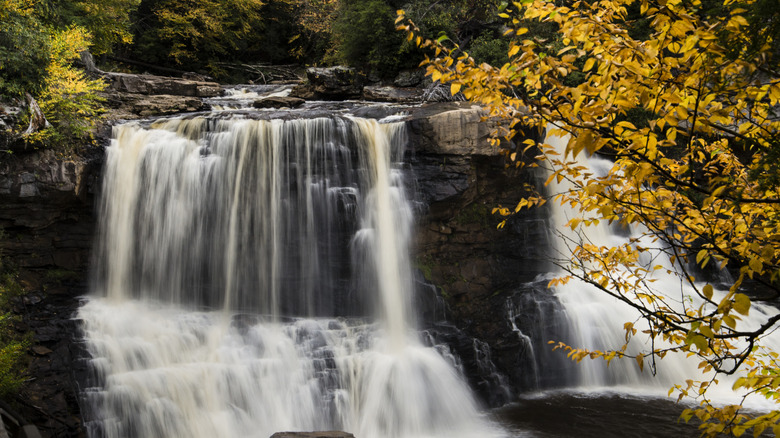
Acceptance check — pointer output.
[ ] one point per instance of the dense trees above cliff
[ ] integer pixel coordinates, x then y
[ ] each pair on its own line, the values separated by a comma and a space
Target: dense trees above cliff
36, 59
202, 36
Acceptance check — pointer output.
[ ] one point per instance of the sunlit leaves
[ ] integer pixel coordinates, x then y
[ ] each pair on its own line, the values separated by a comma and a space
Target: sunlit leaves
69, 98
692, 133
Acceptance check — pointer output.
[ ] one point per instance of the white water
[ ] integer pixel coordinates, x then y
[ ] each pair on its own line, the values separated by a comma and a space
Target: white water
213, 234
596, 319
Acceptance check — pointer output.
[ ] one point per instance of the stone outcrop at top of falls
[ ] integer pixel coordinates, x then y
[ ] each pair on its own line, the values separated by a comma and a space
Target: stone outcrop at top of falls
131, 96
162, 85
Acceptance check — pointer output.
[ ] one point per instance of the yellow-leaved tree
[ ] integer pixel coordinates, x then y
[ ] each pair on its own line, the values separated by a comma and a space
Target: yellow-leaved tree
69, 98
684, 98
37, 60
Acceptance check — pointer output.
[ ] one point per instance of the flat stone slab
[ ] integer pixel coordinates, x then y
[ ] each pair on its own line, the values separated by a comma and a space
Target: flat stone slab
326, 434
150, 84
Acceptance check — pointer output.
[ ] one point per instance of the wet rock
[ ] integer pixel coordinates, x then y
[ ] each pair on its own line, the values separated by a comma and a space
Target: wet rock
453, 129
278, 102
303, 91
476, 359
475, 266
378, 111
46, 206
40, 350
49, 400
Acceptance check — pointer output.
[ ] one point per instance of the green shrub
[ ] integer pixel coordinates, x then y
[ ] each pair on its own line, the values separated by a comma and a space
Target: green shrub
12, 344
486, 48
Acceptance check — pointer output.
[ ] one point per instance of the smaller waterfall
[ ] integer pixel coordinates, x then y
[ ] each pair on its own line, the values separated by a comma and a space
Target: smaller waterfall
595, 320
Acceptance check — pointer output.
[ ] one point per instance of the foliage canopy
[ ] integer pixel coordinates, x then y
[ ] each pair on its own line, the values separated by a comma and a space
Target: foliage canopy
36, 57
687, 110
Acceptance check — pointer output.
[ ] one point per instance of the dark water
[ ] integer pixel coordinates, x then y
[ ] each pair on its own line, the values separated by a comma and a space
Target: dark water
566, 414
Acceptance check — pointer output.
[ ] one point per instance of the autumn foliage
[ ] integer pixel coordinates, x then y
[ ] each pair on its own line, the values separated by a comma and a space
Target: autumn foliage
688, 112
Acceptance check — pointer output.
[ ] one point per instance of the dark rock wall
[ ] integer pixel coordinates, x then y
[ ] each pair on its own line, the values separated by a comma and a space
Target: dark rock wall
47, 225
46, 209
477, 267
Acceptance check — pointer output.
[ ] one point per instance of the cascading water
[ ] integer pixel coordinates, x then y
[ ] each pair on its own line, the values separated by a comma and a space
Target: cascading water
596, 319
593, 320
229, 255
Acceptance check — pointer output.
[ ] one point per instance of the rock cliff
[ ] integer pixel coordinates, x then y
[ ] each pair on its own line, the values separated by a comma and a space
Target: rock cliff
46, 213
476, 267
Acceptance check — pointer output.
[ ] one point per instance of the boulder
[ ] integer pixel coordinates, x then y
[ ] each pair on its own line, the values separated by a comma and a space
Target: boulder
452, 129
409, 78
332, 83
378, 93
278, 102
150, 84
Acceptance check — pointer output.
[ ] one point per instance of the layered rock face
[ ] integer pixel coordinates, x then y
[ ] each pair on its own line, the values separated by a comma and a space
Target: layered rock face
47, 226
46, 213
132, 96
476, 267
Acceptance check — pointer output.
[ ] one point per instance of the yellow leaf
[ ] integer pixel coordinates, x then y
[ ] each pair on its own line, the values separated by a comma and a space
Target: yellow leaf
454, 88
742, 303
707, 291
589, 64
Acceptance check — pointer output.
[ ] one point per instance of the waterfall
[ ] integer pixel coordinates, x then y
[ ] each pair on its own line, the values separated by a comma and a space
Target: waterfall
595, 320
252, 277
